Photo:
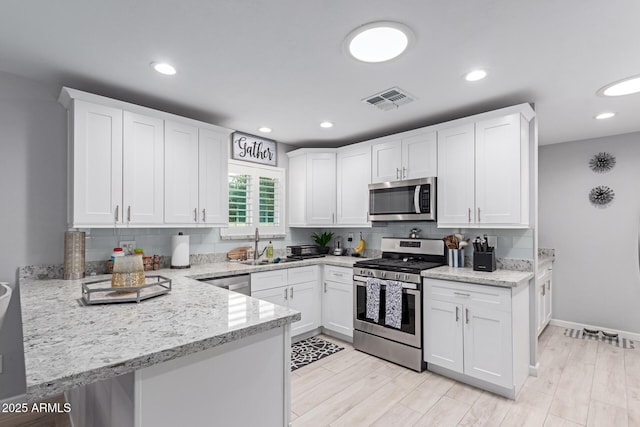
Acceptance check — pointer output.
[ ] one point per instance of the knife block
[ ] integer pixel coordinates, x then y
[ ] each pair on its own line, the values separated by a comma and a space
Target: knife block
484, 261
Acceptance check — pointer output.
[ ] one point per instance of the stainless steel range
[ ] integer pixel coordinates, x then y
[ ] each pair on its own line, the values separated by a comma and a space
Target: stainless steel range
402, 261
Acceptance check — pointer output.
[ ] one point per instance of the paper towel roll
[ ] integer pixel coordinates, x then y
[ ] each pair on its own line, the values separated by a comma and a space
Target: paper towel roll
180, 251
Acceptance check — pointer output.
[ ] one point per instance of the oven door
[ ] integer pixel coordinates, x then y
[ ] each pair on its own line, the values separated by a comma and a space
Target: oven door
410, 331
403, 200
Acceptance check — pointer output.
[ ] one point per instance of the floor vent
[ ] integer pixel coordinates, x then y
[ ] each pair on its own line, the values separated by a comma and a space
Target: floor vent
389, 99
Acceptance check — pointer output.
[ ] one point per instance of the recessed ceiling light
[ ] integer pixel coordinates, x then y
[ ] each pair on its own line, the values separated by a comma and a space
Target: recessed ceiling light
326, 125
164, 68
475, 75
378, 41
622, 87
603, 116
264, 129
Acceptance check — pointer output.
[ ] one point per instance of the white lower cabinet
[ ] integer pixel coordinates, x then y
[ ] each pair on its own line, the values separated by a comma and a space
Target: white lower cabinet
543, 298
479, 332
337, 301
296, 288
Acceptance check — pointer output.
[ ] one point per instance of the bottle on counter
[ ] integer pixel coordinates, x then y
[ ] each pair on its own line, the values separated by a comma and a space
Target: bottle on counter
270, 250
117, 252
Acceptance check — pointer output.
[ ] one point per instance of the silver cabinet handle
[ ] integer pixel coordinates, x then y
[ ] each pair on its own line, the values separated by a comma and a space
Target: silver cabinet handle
404, 172
285, 294
195, 215
333, 218
544, 290
204, 215
291, 292
462, 294
466, 314
478, 214
325, 287
457, 314
129, 213
549, 285
469, 214
397, 173
117, 213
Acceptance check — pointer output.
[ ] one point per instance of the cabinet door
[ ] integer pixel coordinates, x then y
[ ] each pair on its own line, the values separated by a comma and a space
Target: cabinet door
547, 297
213, 182
354, 177
386, 161
498, 178
305, 298
97, 165
181, 174
443, 340
488, 345
337, 306
297, 189
321, 189
420, 156
277, 296
143, 169
456, 175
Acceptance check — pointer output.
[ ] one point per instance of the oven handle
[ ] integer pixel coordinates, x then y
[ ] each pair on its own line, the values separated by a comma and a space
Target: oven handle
416, 199
362, 281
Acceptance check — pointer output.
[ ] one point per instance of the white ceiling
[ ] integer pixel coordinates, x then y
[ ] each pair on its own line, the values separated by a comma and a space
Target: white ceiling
280, 63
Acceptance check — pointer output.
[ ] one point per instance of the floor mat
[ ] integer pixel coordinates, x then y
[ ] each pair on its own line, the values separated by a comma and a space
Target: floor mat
311, 350
587, 334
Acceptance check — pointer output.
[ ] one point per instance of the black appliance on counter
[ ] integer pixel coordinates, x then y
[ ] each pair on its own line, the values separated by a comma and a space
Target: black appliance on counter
402, 261
299, 252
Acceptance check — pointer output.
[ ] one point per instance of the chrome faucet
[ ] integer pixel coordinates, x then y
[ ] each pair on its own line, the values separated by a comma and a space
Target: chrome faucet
257, 255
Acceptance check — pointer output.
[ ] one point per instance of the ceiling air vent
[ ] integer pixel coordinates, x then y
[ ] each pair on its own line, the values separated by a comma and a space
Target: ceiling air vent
389, 99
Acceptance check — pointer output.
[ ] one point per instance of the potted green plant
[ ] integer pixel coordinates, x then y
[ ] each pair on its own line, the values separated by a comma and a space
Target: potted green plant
322, 240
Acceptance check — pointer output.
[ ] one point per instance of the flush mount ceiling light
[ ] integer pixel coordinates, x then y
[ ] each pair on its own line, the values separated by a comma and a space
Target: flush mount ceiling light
603, 116
475, 75
164, 68
264, 129
378, 41
326, 125
622, 87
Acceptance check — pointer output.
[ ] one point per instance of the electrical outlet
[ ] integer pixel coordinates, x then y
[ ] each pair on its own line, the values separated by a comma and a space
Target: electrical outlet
350, 237
492, 241
128, 246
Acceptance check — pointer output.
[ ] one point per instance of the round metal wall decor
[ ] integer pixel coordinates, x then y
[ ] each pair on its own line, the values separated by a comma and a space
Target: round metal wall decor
601, 195
602, 162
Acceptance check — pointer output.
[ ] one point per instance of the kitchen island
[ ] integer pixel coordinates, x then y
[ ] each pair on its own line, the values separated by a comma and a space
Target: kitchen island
192, 357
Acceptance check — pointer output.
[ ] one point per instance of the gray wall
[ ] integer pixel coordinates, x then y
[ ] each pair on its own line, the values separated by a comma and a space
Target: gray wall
33, 193
596, 277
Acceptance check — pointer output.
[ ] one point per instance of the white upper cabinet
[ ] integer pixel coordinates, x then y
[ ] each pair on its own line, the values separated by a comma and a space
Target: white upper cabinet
408, 155
213, 154
312, 187
354, 176
483, 171
143, 170
181, 174
131, 166
95, 151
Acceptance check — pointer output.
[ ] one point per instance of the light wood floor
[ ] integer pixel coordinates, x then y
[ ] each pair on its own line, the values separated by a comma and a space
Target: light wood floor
580, 383
37, 419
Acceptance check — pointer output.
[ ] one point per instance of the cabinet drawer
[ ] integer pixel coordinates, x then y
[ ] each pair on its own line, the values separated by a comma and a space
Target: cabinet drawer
338, 274
478, 295
268, 280
302, 274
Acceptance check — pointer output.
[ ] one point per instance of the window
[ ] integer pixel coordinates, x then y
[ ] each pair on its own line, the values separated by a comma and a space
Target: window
256, 199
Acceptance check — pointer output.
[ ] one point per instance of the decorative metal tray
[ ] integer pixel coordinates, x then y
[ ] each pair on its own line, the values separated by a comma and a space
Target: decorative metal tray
101, 292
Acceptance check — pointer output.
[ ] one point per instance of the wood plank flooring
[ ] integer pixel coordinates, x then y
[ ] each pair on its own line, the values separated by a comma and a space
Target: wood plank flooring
580, 383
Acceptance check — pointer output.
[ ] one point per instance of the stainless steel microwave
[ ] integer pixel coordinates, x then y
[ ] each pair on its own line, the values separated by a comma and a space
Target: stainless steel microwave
410, 200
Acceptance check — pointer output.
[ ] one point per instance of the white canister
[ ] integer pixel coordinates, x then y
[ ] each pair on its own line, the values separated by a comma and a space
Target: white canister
456, 258
180, 251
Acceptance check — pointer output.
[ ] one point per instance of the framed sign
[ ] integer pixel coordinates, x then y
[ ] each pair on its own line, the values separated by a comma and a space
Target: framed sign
251, 148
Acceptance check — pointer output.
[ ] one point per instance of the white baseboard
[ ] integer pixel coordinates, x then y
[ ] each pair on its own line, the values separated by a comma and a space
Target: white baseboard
573, 325
533, 370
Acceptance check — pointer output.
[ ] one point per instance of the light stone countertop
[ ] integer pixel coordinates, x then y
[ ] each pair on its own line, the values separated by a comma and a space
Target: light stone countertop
68, 344
503, 278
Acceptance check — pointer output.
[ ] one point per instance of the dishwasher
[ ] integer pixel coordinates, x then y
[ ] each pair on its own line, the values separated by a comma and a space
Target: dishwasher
240, 283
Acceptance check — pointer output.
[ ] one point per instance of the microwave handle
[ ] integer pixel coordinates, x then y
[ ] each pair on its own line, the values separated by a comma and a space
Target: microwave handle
416, 199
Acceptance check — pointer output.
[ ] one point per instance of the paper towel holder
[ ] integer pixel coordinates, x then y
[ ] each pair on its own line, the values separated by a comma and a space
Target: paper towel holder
180, 251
